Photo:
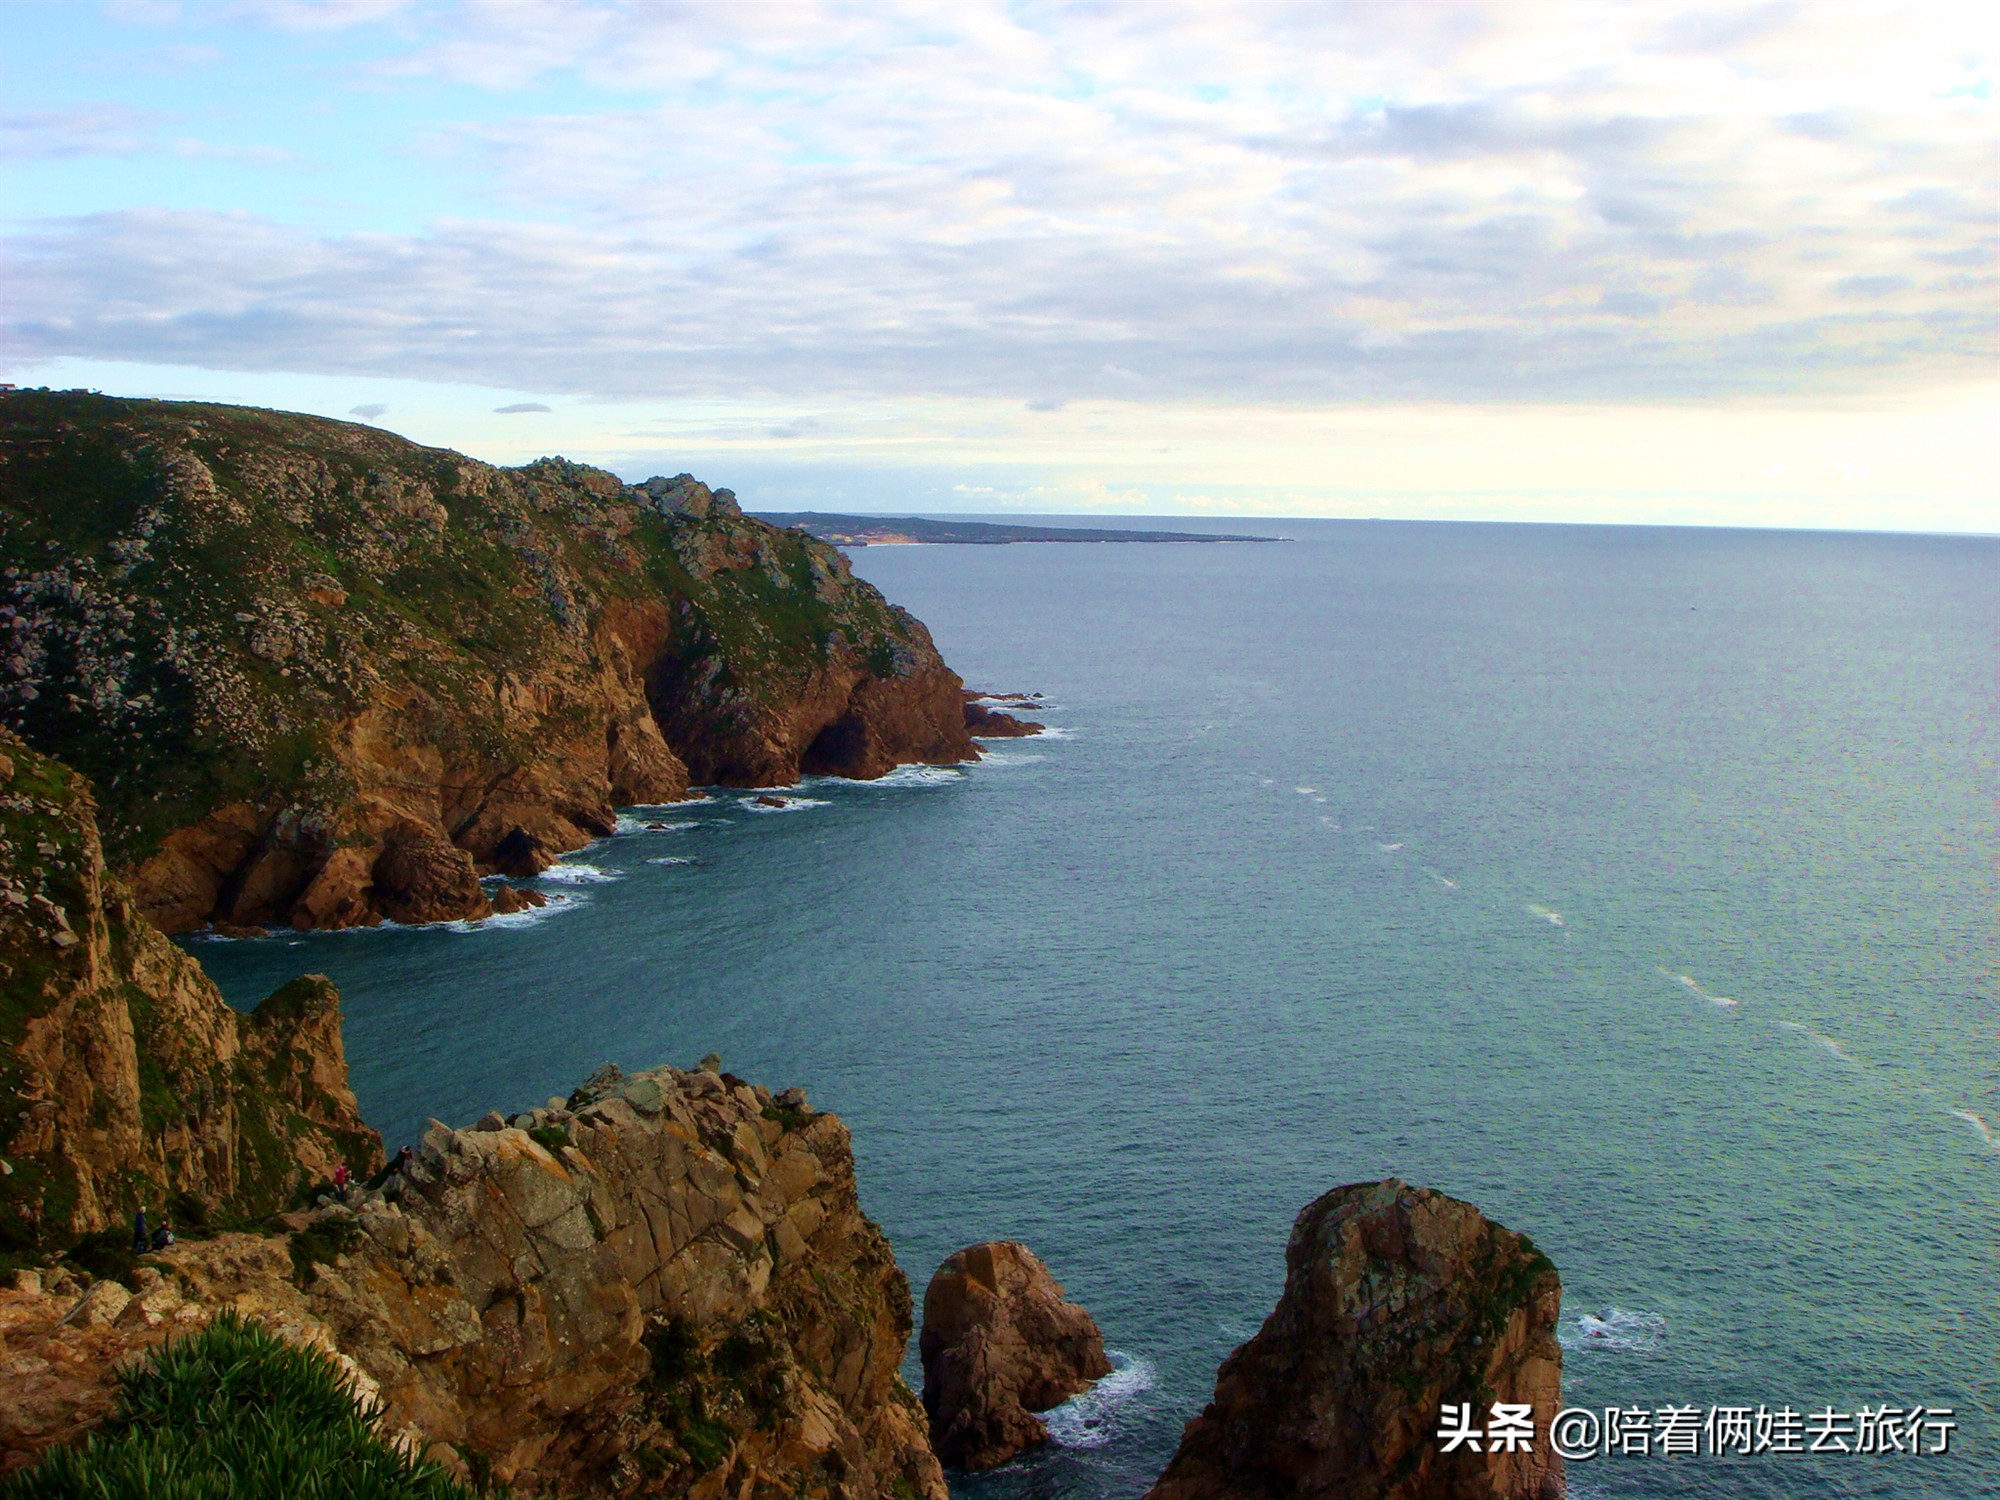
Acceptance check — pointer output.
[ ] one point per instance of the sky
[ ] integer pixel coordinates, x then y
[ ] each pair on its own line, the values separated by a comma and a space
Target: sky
1675, 262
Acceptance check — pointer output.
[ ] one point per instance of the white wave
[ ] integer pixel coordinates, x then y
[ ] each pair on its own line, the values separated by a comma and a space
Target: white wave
1092, 1419
1444, 880
1615, 1330
785, 804
1320, 800
1388, 848
920, 776
1822, 1040
672, 859
627, 824
1331, 823
578, 874
528, 916
1265, 781
1978, 1123
1553, 918
1306, 791
1693, 986
1051, 732
997, 758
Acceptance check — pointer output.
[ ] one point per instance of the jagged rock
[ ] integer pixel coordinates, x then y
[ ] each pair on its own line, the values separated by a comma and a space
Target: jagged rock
470, 658
129, 1081
667, 1289
999, 1344
1397, 1300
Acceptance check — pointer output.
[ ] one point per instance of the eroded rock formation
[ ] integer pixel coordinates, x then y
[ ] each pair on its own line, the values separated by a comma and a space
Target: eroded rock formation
127, 1081
665, 1286
1397, 1300
323, 676
1000, 1342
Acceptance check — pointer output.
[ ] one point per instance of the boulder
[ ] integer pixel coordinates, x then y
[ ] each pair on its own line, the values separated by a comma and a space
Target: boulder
1397, 1301
1000, 1343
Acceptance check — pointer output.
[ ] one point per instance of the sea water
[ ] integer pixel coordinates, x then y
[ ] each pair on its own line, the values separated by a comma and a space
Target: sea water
1635, 884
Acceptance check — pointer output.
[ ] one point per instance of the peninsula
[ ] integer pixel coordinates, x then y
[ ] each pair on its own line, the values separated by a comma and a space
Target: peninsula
886, 531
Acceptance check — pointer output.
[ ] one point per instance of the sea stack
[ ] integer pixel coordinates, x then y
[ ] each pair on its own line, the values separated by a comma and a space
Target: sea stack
1000, 1343
1397, 1301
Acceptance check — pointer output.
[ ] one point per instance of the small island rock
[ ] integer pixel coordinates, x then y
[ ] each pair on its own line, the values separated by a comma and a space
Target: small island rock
999, 1344
1397, 1300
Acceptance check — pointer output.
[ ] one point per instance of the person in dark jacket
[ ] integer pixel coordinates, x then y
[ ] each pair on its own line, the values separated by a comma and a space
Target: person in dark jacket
141, 1241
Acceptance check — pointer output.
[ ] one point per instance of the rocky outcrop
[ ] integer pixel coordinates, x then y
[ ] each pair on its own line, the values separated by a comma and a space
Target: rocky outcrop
1397, 1300
984, 720
323, 676
125, 1078
1000, 1343
663, 1286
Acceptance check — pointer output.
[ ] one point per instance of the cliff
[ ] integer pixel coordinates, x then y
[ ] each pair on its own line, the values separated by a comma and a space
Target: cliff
323, 676
125, 1078
663, 1286
1397, 1301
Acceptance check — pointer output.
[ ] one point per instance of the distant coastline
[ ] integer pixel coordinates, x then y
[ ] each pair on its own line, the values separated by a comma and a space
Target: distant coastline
906, 531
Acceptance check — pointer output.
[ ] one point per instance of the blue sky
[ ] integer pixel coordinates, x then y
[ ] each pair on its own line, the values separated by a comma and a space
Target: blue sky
1678, 261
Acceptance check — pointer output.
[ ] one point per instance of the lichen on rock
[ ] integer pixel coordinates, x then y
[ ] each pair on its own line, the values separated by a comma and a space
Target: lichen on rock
1397, 1300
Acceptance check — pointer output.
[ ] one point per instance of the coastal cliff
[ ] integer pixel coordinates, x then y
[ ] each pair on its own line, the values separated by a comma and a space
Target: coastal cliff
663, 1285
127, 1081
322, 676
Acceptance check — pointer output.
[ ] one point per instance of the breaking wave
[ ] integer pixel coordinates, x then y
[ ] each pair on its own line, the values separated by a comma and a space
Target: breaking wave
1615, 1330
579, 874
1092, 1419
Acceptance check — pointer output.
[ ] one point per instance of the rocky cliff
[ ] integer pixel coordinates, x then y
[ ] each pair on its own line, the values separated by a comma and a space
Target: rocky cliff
323, 676
126, 1080
1397, 1300
663, 1285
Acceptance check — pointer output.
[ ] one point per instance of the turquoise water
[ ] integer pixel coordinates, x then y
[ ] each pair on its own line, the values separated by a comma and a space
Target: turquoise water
1417, 850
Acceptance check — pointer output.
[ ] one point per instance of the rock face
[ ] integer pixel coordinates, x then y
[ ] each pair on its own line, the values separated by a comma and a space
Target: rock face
999, 1344
322, 676
1397, 1300
664, 1288
126, 1079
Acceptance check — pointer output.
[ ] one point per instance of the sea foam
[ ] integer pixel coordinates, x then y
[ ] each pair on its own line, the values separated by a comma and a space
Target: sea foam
1093, 1419
1615, 1330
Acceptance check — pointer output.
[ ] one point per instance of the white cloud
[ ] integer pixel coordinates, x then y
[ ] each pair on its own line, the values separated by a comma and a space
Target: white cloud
1169, 202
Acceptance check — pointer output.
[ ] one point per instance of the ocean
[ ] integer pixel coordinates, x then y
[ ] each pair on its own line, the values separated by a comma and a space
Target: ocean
1635, 884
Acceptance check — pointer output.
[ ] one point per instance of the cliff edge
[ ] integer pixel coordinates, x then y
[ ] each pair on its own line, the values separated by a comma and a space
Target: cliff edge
127, 1080
664, 1286
322, 676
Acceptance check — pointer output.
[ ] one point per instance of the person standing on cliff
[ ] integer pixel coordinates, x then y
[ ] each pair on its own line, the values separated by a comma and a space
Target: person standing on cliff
141, 1241
340, 1181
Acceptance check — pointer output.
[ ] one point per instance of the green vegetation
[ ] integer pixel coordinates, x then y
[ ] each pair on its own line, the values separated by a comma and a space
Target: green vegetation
320, 1243
551, 1138
233, 1413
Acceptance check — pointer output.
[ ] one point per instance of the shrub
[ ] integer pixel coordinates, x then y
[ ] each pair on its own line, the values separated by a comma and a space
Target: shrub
234, 1413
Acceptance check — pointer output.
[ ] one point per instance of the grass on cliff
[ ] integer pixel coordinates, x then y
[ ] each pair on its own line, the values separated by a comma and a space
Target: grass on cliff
233, 1413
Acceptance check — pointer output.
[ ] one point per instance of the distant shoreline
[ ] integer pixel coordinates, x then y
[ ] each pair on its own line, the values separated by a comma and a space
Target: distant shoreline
915, 531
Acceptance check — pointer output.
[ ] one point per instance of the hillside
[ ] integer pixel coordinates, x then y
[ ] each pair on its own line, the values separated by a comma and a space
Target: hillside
323, 676
878, 531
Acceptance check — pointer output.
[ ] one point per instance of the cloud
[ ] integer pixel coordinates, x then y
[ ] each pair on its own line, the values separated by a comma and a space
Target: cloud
518, 407
1287, 203
369, 412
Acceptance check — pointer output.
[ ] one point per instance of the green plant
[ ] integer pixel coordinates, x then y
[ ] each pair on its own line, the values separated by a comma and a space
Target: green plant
319, 1243
234, 1413
551, 1138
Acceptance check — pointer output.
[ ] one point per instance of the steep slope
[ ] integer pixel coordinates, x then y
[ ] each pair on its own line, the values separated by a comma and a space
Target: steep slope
125, 1079
663, 1287
322, 675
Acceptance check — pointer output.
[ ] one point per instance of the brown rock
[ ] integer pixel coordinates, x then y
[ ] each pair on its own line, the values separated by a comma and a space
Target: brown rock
1397, 1300
999, 1344
421, 876
130, 1081
555, 1317
987, 723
